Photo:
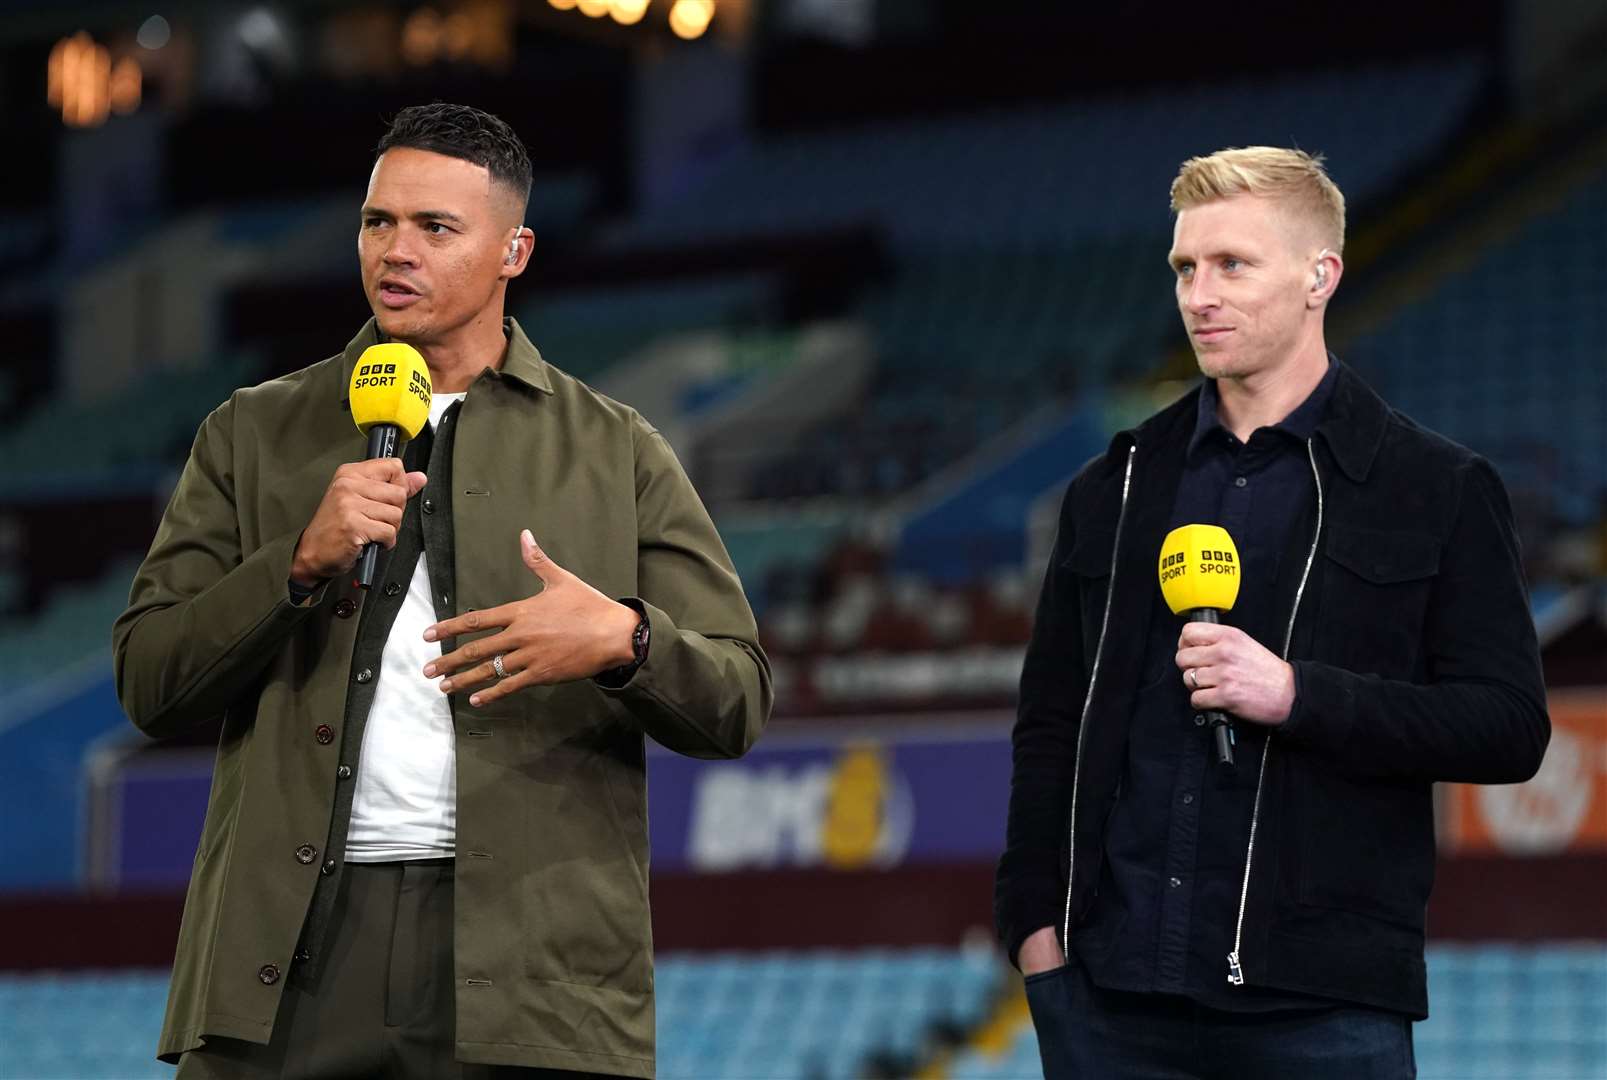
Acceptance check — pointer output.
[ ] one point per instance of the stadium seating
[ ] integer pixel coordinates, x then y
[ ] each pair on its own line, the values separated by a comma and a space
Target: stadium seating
77, 623
765, 1016
136, 434
586, 332
1508, 354
1499, 1013
1057, 174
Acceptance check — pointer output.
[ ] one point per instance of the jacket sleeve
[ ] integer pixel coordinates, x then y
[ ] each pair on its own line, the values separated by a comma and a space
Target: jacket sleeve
1481, 717
705, 689
203, 618
1029, 888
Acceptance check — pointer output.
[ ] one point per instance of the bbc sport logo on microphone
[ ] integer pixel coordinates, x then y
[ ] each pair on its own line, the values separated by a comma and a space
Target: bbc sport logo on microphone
1212, 561
383, 375
374, 375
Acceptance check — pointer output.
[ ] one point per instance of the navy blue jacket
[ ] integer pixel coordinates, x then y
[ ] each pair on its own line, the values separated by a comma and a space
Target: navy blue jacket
1410, 630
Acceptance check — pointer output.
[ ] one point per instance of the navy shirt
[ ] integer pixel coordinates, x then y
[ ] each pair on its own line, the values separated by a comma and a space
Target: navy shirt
1168, 901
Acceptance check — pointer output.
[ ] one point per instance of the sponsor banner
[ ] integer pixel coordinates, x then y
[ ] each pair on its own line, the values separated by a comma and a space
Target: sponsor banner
1563, 809
850, 802
145, 814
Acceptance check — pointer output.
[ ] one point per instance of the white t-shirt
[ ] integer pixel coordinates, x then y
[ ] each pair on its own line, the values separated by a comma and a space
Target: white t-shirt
405, 805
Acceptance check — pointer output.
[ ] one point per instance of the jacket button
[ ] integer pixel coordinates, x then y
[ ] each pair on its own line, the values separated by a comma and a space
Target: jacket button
328, 867
392, 588
343, 773
305, 854
365, 675
268, 974
324, 734
1199, 720
345, 607
429, 506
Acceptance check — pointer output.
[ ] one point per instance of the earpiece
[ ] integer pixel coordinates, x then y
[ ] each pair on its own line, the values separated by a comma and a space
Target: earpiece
513, 251
1322, 270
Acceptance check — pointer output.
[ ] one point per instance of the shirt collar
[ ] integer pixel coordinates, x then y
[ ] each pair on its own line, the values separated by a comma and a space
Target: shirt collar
1300, 424
522, 362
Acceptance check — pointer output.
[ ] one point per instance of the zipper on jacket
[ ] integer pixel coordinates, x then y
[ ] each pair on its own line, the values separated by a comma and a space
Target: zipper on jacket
1088, 698
1235, 971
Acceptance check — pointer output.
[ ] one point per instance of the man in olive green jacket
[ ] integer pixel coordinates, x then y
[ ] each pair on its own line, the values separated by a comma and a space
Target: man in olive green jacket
245, 608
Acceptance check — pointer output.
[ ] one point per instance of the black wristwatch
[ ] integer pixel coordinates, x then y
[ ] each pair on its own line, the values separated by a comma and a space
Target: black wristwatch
619, 676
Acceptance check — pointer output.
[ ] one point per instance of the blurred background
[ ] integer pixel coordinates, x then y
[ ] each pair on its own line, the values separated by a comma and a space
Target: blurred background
886, 272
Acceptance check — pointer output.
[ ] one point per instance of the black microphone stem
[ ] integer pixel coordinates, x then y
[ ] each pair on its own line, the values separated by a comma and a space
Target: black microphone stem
382, 443
1221, 728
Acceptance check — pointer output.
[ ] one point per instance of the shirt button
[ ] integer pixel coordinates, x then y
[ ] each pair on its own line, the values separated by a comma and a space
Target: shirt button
392, 588
365, 675
429, 506
1173, 882
302, 956
268, 974
305, 854
343, 773
1187, 799
328, 868
324, 734
1199, 719
446, 600
345, 607
1239, 481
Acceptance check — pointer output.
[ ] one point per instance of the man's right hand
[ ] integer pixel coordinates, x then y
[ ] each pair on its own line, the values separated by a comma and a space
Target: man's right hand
364, 502
1040, 952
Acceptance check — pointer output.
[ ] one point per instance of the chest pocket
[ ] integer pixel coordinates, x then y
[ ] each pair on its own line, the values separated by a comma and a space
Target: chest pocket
1088, 567
1377, 585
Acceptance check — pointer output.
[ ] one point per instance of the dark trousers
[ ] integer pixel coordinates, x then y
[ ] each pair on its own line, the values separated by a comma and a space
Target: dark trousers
1088, 1033
384, 1005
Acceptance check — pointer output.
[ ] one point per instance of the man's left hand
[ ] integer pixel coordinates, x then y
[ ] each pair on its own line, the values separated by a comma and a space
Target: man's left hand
568, 631
1233, 672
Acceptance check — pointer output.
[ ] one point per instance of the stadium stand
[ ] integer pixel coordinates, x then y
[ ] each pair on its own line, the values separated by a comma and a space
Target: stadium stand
1499, 1012
1029, 176
754, 1016
1023, 293
1506, 355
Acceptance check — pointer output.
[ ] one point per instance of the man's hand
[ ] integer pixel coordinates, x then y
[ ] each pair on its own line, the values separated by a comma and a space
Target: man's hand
1040, 952
568, 631
1226, 669
363, 502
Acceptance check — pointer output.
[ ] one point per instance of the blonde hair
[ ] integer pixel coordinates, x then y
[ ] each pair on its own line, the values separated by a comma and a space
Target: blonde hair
1292, 176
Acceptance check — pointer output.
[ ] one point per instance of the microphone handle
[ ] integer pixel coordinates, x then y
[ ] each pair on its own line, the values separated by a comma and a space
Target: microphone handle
1221, 727
382, 442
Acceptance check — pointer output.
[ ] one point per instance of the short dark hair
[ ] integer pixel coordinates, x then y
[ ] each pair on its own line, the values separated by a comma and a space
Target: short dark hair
464, 132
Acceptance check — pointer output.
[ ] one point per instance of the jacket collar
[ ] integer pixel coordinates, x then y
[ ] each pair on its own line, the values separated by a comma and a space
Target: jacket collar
522, 362
1352, 429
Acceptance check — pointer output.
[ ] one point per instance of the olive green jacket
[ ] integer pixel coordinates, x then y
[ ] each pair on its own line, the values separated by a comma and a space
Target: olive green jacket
554, 944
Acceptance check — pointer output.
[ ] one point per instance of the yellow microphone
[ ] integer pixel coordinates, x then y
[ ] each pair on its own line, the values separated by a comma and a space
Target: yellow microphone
390, 399
1199, 571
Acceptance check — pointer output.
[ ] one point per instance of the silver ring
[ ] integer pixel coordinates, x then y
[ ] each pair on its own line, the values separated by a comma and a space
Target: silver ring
1189, 674
496, 666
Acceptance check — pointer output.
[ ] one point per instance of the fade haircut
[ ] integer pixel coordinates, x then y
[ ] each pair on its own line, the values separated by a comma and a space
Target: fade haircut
467, 133
1293, 177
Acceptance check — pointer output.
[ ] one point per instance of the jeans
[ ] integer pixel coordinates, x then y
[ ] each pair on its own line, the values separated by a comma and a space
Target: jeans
1089, 1033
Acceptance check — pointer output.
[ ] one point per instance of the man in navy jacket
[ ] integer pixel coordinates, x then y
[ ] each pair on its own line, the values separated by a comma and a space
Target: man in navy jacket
1178, 917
